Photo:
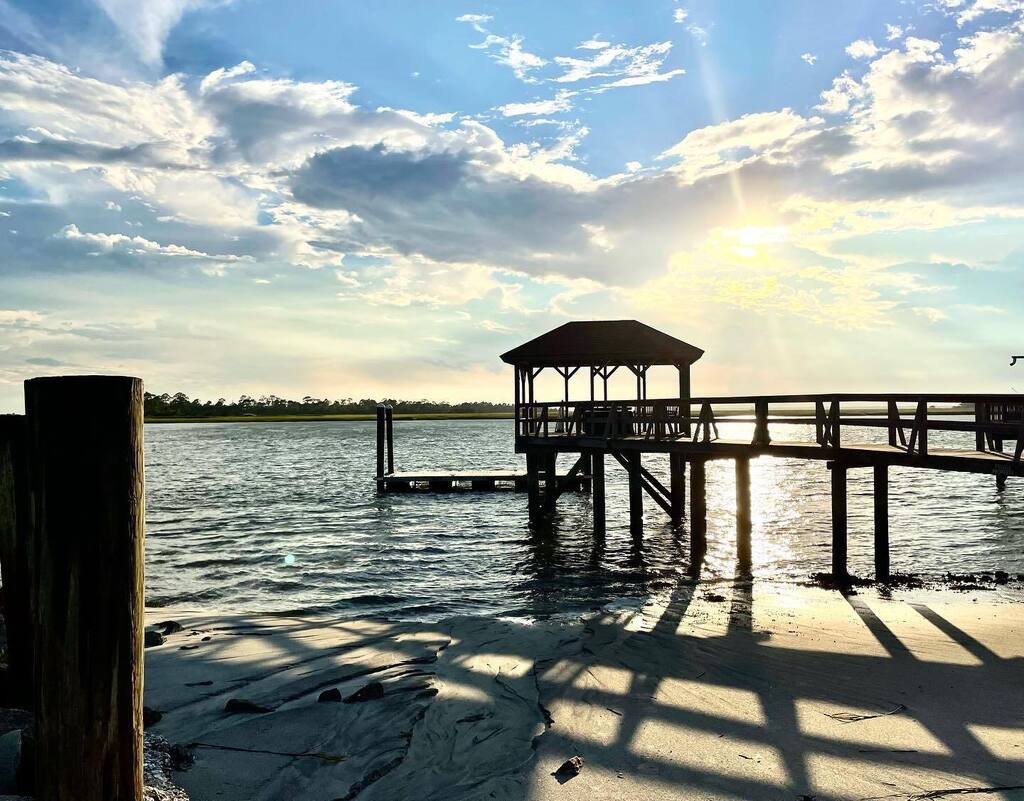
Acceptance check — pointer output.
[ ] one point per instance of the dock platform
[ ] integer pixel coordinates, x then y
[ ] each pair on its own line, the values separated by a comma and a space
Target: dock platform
479, 480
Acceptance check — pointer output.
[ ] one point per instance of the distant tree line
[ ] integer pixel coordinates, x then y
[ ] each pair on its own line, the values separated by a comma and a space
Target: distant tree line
180, 405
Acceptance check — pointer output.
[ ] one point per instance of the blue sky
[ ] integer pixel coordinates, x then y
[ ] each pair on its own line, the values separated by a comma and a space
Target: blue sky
368, 199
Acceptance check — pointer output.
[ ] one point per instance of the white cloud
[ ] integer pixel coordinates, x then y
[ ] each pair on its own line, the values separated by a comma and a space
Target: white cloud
619, 66
593, 43
699, 33
506, 50
146, 24
561, 102
893, 32
810, 58
967, 12
137, 245
862, 48
679, 16
633, 166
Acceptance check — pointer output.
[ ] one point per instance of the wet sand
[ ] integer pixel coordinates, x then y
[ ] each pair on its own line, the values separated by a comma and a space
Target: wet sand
725, 692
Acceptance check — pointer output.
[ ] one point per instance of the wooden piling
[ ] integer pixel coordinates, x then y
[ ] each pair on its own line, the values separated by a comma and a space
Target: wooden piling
698, 513
389, 436
598, 491
839, 522
533, 484
86, 479
677, 486
743, 519
881, 475
381, 426
15, 558
636, 495
550, 481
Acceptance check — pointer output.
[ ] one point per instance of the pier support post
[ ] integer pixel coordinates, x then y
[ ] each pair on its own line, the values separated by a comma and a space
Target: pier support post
1001, 482
839, 523
636, 495
881, 522
550, 481
598, 494
381, 426
533, 484
743, 522
677, 486
389, 432
15, 556
698, 514
86, 480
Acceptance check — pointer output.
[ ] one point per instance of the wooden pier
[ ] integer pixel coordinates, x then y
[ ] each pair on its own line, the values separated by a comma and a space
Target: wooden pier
600, 431
687, 429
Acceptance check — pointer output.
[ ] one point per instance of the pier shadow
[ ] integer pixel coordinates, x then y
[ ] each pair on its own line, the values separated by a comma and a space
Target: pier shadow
703, 700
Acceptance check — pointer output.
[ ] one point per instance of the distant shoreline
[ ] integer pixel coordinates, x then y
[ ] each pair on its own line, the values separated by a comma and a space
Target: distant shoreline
326, 418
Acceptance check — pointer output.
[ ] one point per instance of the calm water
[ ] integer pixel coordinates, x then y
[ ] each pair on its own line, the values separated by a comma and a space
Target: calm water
284, 517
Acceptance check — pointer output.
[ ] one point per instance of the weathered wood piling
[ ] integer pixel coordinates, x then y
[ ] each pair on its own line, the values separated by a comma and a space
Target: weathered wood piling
15, 558
85, 475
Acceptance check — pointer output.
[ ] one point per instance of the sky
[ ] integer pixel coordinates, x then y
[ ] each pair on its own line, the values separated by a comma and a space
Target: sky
344, 199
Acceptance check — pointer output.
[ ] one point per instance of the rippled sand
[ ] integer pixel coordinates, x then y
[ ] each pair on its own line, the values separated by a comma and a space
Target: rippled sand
727, 691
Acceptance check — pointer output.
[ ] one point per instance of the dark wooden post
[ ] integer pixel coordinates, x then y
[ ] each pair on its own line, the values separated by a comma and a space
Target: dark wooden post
980, 418
533, 484
15, 556
762, 436
684, 396
839, 524
381, 413
88, 491
550, 481
390, 436
597, 471
881, 522
698, 514
677, 486
636, 495
743, 521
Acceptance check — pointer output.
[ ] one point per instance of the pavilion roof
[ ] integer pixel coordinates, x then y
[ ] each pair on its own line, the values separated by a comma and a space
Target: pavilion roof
601, 342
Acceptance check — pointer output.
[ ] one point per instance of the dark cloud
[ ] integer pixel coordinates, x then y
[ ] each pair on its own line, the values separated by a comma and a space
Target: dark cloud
146, 154
447, 206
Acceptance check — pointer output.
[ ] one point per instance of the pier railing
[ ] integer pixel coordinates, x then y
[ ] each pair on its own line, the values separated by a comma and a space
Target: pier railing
908, 418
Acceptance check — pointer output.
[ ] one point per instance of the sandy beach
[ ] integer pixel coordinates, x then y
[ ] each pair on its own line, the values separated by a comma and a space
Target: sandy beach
726, 691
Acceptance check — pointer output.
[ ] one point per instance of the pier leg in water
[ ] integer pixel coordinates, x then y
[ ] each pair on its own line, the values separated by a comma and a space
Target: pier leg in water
381, 425
677, 486
839, 525
597, 471
1000, 483
533, 485
698, 515
636, 495
550, 482
881, 522
743, 523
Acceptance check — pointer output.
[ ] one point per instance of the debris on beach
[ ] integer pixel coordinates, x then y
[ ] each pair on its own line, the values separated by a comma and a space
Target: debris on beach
241, 705
153, 638
159, 758
853, 717
330, 696
169, 627
373, 691
568, 769
150, 716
